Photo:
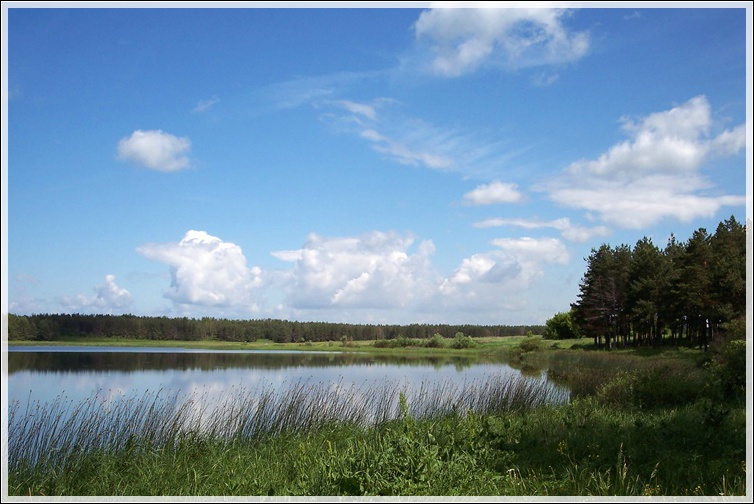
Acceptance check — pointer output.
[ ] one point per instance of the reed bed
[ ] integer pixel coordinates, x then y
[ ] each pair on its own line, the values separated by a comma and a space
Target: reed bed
501, 435
47, 435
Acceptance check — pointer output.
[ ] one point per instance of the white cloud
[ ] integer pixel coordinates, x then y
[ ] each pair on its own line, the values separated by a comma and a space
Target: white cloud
405, 154
109, 297
374, 270
155, 149
205, 105
206, 271
643, 202
413, 142
384, 277
416, 144
494, 193
654, 174
462, 40
369, 111
568, 230
500, 279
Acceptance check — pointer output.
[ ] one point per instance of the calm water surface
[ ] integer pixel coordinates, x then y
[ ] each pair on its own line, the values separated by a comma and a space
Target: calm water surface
44, 374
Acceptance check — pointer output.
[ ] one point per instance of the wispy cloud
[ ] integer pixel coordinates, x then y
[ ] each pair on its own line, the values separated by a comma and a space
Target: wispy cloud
655, 174
205, 105
304, 91
564, 225
411, 141
463, 40
156, 150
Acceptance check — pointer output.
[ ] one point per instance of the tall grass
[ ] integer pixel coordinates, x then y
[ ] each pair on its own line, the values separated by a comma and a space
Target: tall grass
642, 430
54, 434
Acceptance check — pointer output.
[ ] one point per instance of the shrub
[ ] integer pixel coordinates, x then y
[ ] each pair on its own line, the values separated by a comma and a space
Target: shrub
531, 344
728, 368
461, 341
561, 326
436, 341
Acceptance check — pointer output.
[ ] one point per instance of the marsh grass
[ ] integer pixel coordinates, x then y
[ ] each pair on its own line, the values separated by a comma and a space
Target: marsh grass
626, 379
639, 427
48, 436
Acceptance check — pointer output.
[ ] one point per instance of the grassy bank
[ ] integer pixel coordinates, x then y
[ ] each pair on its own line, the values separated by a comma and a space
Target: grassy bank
480, 346
585, 448
654, 424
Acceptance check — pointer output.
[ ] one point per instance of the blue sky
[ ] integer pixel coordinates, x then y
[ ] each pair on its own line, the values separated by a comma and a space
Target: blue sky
369, 165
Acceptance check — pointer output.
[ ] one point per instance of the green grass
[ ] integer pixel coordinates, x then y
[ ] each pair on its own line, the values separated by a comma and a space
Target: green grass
639, 424
585, 448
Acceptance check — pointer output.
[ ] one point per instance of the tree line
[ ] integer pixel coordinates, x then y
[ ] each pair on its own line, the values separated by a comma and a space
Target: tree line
690, 291
49, 327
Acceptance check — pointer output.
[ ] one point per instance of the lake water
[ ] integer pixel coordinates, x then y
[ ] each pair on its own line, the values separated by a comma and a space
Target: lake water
44, 375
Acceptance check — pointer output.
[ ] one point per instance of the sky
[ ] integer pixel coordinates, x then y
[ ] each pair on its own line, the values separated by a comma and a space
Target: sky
379, 163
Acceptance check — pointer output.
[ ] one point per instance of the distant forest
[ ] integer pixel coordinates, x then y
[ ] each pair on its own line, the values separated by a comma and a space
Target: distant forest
49, 327
689, 292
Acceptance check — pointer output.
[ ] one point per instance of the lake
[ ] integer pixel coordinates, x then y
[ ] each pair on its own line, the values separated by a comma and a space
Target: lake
223, 382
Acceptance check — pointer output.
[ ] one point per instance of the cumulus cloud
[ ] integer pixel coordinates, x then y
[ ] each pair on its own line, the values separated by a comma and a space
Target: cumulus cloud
564, 225
109, 297
462, 40
206, 271
491, 194
374, 270
499, 278
156, 150
655, 173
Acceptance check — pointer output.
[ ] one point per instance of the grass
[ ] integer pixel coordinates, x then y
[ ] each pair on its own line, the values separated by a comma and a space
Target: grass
637, 425
585, 448
483, 344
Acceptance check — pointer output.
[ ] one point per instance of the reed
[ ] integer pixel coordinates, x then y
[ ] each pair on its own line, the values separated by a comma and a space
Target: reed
637, 434
54, 434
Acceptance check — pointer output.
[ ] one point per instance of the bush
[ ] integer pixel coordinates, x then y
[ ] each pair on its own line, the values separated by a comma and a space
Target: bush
436, 341
728, 368
399, 342
531, 344
561, 326
461, 341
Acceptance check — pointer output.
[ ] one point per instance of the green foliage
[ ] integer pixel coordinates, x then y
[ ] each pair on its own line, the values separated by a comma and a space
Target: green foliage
531, 344
561, 326
728, 368
461, 341
399, 342
437, 341
55, 326
688, 291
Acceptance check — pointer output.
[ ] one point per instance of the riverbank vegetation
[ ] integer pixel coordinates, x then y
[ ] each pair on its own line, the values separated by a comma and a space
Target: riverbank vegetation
668, 423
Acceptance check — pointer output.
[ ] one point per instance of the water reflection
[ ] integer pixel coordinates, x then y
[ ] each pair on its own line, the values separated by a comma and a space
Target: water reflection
208, 378
70, 359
